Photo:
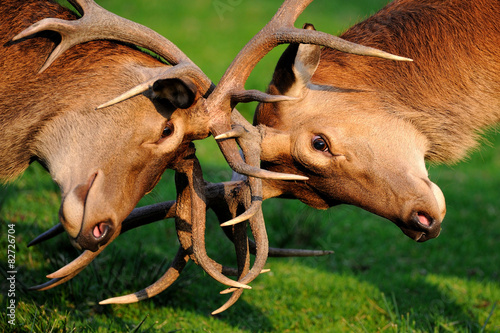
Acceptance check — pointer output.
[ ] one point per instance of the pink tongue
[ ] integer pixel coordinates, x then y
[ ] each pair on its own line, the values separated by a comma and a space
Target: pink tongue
97, 231
424, 220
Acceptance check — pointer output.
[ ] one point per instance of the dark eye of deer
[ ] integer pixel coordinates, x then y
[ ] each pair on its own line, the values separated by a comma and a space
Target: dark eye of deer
168, 130
319, 143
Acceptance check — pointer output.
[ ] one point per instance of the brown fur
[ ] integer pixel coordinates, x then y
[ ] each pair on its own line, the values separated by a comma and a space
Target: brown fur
451, 91
29, 101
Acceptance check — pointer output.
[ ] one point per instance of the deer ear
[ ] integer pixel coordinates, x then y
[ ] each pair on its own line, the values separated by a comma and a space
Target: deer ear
180, 92
306, 60
296, 67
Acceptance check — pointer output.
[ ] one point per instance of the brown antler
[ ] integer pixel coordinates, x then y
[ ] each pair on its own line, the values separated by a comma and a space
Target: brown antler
97, 23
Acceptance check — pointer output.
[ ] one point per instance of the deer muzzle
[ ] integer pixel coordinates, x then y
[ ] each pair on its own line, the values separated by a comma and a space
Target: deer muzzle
84, 215
424, 220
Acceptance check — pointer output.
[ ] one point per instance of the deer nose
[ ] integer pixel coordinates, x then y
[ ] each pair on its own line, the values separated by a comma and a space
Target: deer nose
420, 227
93, 239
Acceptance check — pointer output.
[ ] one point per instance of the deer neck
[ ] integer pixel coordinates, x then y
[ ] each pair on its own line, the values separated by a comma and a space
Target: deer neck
450, 92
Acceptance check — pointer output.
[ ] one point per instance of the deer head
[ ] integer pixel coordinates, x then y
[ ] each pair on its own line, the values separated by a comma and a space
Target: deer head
103, 160
351, 151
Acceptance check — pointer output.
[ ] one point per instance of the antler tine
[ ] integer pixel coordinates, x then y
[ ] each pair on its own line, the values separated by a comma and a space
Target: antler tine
231, 153
258, 228
51, 233
240, 240
181, 259
196, 186
170, 276
78, 264
235, 296
285, 253
181, 70
98, 23
243, 131
56, 281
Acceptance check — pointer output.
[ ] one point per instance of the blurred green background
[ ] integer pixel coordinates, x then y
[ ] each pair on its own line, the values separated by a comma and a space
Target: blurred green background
378, 280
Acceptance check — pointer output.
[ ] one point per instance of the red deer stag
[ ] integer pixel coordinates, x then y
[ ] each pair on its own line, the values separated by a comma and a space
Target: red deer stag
361, 128
104, 161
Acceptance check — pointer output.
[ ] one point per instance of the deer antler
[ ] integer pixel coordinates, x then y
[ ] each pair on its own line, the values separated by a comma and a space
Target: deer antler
97, 23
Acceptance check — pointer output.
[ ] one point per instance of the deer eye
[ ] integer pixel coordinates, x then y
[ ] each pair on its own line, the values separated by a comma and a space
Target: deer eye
319, 143
168, 130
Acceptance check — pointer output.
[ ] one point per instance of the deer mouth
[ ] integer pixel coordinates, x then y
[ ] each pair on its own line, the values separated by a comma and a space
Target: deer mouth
421, 227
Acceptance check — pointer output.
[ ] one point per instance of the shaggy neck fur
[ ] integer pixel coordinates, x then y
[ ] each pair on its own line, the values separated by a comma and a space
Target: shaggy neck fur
451, 92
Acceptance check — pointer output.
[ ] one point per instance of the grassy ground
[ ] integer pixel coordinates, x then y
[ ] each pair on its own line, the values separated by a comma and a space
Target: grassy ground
377, 280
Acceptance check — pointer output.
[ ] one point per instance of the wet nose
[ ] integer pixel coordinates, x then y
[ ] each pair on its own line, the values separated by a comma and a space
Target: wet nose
94, 238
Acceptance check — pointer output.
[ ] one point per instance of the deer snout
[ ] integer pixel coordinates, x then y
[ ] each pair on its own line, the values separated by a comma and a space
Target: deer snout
421, 227
423, 222
84, 215
72, 209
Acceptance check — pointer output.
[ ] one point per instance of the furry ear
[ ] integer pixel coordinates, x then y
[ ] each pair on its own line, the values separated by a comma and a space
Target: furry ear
307, 59
180, 92
296, 67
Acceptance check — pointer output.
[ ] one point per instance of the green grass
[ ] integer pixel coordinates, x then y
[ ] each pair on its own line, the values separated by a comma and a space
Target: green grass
378, 280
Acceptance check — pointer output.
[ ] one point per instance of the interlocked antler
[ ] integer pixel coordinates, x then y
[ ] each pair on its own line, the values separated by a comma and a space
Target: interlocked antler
220, 105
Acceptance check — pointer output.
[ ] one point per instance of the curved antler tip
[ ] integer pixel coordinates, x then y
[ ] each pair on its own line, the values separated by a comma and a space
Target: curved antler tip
232, 222
233, 289
106, 302
399, 58
127, 299
228, 291
236, 132
105, 105
243, 286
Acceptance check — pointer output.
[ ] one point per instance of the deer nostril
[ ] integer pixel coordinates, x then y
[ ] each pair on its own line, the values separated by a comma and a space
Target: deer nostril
100, 230
423, 219
95, 238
